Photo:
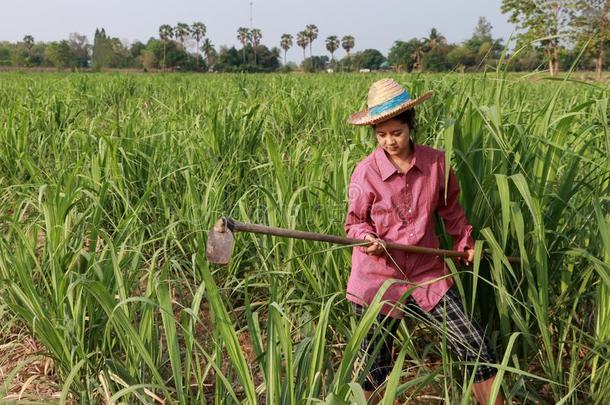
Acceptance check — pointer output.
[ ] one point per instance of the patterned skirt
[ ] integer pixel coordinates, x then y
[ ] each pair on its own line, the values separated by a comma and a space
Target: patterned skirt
464, 336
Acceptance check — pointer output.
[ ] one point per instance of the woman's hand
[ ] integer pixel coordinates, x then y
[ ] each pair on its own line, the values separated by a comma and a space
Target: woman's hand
469, 259
377, 248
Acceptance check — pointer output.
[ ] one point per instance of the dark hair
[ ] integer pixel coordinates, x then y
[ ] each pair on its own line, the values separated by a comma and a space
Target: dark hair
406, 117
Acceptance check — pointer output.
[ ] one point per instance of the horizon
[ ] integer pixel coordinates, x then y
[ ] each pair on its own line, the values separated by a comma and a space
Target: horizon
222, 21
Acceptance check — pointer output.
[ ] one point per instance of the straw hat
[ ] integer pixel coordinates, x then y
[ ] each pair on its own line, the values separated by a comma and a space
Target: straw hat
386, 100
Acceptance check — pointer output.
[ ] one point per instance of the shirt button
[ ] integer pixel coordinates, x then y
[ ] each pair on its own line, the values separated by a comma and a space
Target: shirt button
411, 234
410, 210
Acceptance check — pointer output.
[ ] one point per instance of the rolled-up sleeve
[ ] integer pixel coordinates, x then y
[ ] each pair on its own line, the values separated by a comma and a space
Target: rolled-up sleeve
452, 213
361, 196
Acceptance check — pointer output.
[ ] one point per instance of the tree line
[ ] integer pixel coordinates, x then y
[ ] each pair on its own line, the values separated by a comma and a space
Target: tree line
552, 34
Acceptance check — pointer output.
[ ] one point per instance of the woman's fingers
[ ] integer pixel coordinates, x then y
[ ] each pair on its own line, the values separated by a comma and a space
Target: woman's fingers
371, 248
470, 257
466, 261
376, 248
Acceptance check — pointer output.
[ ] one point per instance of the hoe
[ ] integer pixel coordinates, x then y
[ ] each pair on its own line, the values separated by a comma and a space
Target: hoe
220, 241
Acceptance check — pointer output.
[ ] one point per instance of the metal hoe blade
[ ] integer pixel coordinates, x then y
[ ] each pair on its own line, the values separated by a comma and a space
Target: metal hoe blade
220, 243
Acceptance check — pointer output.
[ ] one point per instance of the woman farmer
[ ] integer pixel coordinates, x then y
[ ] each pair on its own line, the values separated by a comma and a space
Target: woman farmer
393, 196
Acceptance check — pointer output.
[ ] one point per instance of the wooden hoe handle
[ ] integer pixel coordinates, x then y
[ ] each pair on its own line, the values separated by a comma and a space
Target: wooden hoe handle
234, 225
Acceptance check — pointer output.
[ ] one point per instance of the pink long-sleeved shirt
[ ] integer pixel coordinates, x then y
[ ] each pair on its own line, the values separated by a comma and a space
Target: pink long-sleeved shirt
399, 207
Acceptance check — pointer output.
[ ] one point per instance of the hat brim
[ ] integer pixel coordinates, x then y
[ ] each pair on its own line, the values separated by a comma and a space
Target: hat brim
364, 118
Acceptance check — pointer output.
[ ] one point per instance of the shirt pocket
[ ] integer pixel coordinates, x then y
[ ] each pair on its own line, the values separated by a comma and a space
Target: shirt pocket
383, 217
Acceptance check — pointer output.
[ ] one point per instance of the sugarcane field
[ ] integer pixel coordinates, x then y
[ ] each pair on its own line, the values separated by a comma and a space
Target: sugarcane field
192, 225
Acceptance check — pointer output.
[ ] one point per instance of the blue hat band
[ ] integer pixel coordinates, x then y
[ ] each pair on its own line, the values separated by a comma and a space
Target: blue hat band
390, 104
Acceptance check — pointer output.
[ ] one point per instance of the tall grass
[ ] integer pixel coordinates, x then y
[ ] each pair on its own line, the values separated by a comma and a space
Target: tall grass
110, 183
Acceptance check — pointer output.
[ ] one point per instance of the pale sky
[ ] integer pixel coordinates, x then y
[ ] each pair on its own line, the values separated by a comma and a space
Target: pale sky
374, 24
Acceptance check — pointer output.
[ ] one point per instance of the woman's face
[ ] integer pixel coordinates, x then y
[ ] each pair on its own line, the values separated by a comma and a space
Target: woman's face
393, 136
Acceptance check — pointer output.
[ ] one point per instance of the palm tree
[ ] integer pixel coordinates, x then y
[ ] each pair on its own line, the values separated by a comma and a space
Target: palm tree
243, 36
435, 39
312, 33
332, 44
28, 40
255, 35
302, 41
427, 44
417, 54
165, 33
348, 43
286, 44
182, 32
208, 50
198, 29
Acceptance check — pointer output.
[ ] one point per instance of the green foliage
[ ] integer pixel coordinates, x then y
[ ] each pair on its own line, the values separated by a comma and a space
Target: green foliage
369, 59
229, 58
542, 23
311, 33
175, 56
136, 49
556, 30
60, 55
108, 52
111, 183
461, 56
347, 43
434, 54
435, 60
170, 53
302, 41
102, 54
21, 55
402, 54
182, 32
80, 48
315, 63
198, 29
232, 60
286, 43
5, 54
482, 46
166, 32
332, 44
592, 30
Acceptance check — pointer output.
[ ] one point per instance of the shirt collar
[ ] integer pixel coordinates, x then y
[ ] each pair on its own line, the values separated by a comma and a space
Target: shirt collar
386, 167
